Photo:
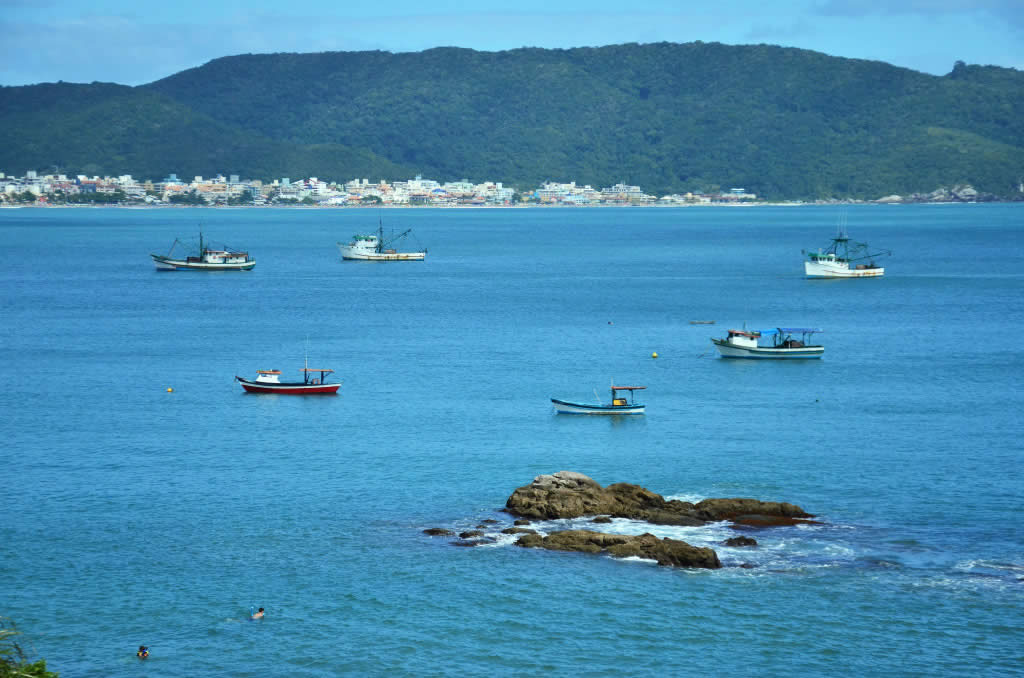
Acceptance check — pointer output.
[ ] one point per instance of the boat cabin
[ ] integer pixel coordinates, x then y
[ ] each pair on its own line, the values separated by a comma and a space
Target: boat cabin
618, 401
268, 376
820, 257
223, 257
744, 338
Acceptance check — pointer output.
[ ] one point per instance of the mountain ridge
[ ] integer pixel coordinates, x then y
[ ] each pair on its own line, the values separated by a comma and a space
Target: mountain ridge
782, 122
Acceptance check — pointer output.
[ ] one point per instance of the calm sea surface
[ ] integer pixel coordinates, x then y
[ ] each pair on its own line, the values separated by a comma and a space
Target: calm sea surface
133, 515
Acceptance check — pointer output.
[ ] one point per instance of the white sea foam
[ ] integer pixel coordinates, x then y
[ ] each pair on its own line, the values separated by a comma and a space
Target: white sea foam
691, 498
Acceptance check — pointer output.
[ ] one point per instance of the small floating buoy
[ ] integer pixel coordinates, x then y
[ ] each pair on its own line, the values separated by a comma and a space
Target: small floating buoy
170, 390
654, 355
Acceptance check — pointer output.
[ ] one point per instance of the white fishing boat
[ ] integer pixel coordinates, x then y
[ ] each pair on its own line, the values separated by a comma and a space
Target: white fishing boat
618, 405
844, 258
780, 342
206, 259
375, 247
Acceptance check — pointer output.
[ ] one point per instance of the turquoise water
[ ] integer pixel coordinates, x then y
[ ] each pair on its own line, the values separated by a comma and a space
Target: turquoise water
134, 515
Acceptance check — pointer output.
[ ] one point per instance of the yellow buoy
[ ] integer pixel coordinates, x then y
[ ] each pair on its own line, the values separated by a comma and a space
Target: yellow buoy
654, 355
170, 390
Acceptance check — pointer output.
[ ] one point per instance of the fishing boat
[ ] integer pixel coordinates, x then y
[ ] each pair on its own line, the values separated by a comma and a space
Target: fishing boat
269, 381
844, 258
375, 247
619, 405
780, 342
206, 259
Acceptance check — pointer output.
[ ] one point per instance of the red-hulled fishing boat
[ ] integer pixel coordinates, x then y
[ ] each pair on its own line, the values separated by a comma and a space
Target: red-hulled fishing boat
269, 381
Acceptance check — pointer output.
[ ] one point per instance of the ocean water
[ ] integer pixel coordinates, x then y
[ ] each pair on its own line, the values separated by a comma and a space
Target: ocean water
134, 515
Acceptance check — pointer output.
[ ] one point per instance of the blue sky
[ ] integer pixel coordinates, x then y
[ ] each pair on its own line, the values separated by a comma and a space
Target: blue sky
134, 42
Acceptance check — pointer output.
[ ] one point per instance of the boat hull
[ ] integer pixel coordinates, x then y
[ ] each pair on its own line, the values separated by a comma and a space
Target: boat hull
816, 270
767, 352
350, 254
295, 388
565, 407
165, 264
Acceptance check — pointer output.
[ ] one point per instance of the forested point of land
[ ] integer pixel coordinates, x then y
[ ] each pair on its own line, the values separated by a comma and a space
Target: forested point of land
783, 123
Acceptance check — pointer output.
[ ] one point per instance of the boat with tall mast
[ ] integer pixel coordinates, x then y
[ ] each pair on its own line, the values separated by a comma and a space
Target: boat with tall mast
374, 247
207, 259
844, 258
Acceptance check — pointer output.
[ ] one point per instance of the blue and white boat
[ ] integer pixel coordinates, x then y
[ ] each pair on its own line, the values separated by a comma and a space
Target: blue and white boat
780, 342
619, 405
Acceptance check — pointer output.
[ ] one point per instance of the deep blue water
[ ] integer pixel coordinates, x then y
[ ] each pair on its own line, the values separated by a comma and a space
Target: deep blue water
133, 515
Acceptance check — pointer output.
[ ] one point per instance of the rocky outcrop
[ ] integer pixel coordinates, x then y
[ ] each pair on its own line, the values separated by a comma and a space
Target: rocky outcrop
568, 494
740, 541
438, 532
668, 552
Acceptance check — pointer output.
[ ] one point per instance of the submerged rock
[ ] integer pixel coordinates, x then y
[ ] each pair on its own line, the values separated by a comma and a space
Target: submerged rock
740, 541
518, 530
568, 494
668, 552
438, 532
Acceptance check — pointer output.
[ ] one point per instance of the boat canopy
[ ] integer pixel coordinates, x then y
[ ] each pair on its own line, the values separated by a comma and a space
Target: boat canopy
310, 369
628, 388
268, 371
790, 330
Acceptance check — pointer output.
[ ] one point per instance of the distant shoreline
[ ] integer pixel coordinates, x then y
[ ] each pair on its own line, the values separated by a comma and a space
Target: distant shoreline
524, 206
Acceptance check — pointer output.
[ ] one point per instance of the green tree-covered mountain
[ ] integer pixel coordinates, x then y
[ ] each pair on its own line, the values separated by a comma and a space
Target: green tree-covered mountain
781, 122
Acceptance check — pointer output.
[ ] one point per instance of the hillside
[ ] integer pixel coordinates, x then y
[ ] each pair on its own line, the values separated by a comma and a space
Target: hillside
109, 129
781, 122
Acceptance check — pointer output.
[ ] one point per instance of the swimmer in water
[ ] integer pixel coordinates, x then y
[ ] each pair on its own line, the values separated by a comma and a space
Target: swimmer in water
258, 615
143, 652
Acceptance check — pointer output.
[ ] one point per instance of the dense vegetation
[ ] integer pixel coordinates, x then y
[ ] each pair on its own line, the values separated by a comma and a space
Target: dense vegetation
781, 122
14, 662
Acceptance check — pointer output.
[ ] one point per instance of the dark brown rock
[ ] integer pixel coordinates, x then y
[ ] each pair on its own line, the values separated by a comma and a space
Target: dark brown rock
740, 541
470, 533
568, 494
438, 532
522, 521
668, 552
729, 509
602, 519
518, 530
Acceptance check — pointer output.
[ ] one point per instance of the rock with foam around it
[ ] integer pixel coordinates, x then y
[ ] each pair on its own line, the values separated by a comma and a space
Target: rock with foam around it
667, 552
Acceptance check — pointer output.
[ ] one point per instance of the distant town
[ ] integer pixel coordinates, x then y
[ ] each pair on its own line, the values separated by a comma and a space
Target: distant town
59, 189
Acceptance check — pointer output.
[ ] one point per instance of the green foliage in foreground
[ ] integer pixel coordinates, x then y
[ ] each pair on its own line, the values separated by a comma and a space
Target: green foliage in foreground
779, 122
13, 661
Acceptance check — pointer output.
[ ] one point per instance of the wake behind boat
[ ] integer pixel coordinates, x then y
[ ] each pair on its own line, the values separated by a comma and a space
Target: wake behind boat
206, 260
375, 248
746, 343
619, 404
844, 258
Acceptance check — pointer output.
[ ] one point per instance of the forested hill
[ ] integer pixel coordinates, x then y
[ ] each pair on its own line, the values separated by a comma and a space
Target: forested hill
781, 122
